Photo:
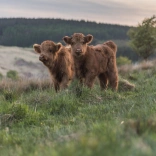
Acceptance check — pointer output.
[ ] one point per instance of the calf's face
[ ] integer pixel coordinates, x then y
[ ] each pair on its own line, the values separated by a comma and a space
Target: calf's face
47, 50
78, 43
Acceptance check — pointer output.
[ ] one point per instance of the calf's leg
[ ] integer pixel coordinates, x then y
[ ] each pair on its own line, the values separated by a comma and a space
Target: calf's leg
103, 78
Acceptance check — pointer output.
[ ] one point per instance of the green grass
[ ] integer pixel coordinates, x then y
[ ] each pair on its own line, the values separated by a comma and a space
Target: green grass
78, 122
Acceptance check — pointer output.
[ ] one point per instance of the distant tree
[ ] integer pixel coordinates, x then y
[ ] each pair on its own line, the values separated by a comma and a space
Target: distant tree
122, 60
143, 37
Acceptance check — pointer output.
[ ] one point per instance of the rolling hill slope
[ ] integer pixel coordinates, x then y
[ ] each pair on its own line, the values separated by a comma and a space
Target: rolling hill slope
22, 60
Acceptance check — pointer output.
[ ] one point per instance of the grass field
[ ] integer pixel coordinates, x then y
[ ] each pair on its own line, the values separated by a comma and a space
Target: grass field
36, 121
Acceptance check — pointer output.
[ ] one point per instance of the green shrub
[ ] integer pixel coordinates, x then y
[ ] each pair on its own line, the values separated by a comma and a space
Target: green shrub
15, 113
21, 115
10, 95
12, 74
19, 111
123, 60
33, 118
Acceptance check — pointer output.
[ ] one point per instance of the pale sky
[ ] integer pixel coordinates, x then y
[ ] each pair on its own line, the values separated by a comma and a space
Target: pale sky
123, 12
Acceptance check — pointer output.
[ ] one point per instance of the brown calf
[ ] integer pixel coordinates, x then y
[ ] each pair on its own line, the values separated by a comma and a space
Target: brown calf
112, 45
92, 61
109, 48
58, 60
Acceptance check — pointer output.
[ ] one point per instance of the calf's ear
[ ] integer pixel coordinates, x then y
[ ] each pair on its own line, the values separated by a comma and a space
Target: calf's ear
67, 39
88, 39
37, 48
58, 46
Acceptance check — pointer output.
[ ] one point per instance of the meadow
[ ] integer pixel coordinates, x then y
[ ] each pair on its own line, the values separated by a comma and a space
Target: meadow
36, 121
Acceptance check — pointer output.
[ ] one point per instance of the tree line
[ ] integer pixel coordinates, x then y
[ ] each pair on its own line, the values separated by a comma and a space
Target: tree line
24, 32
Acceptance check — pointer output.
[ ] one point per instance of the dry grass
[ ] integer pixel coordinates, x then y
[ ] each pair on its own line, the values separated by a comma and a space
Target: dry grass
24, 85
144, 65
125, 85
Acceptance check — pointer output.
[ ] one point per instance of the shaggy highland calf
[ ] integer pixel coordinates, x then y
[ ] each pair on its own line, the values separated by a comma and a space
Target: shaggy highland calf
93, 61
110, 76
58, 60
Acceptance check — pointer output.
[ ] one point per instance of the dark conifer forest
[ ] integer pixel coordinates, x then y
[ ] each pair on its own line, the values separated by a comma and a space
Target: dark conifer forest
25, 32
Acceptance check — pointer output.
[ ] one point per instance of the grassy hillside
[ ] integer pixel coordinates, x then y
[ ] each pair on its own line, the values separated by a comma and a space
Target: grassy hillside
34, 120
23, 60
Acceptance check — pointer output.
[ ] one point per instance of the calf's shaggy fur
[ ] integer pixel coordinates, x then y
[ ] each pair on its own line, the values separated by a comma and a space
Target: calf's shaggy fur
58, 60
93, 61
109, 48
112, 45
